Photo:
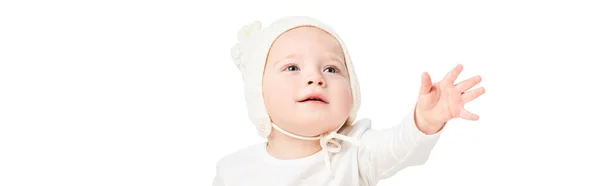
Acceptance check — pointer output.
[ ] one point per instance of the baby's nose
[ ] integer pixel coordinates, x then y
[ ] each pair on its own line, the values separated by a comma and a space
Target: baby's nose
320, 83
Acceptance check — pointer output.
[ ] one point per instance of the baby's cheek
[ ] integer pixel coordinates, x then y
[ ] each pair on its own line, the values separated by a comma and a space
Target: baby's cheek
348, 98
344, 93
347, 91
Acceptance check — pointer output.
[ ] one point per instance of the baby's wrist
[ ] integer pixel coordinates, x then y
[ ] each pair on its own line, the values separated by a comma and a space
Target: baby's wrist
427, 127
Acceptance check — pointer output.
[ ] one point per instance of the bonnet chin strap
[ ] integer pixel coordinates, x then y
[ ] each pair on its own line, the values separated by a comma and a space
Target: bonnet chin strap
324, 140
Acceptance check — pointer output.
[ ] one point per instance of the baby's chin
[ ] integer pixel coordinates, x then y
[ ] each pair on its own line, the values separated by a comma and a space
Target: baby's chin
315, 127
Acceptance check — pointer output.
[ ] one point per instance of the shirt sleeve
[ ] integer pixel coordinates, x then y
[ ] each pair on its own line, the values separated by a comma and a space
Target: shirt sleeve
385, 152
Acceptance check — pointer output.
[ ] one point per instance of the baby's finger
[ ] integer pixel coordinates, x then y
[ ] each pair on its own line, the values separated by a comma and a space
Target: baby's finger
468, 84
464, 114
452, 75
425, 83
471, 95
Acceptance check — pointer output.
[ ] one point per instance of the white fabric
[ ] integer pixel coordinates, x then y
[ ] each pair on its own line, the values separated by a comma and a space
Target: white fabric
324, 141
250, 55
382, 154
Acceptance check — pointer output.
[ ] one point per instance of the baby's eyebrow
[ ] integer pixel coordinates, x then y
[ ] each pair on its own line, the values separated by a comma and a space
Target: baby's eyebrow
290, 56
328, 56
335, 57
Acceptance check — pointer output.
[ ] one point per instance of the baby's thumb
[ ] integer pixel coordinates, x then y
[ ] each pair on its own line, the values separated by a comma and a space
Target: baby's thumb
426, 83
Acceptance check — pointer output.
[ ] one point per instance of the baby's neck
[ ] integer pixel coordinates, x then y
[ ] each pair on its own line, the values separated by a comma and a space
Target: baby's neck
284, 147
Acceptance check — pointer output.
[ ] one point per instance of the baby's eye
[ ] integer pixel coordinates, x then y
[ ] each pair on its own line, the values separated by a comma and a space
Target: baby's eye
330, 69
292, 68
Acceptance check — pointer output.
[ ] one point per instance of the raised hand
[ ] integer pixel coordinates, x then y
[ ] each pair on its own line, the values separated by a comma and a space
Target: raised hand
442, 101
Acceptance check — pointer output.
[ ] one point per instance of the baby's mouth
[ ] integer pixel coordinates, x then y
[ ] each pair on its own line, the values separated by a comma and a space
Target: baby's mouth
313, 100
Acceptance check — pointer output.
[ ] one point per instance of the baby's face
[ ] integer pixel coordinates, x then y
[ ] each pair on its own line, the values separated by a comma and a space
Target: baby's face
307, 62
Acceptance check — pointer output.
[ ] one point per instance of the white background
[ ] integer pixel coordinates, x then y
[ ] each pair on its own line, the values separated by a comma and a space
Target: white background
145, 93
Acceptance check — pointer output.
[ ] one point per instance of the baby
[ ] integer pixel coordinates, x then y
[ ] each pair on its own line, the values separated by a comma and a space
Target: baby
303, 95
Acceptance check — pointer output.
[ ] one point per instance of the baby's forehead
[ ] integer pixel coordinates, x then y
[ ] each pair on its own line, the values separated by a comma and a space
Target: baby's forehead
306, 40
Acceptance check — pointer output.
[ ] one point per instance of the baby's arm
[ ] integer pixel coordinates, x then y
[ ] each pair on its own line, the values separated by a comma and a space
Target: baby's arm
409, 144
388, 151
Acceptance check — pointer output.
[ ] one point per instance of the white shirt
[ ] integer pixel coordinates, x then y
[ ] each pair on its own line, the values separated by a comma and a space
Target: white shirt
381, 154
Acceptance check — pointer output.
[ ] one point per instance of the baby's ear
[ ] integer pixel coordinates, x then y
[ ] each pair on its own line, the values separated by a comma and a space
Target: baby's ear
243, 34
